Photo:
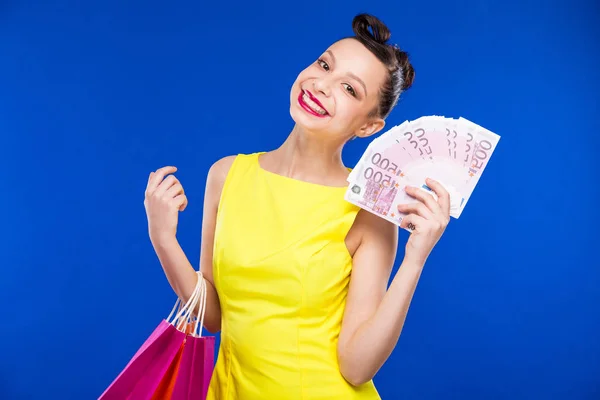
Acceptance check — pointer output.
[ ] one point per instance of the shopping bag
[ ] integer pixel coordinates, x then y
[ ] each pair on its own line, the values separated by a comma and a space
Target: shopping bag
190, 373
165, 388
195, 369
144, 372
197, 361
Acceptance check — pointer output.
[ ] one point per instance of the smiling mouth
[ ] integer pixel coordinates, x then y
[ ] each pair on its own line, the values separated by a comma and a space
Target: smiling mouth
310, 104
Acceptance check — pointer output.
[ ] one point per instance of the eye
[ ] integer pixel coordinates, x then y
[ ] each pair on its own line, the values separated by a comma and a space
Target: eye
323, 64
349, 89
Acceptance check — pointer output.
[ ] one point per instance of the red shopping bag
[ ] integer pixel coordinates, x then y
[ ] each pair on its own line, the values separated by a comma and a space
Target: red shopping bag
161, 356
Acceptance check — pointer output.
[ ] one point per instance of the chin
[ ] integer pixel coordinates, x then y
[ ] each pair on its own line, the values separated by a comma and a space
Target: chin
307, 122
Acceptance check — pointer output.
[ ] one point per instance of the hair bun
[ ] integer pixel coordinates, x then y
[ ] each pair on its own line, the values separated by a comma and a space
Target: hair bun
408, 71
370, 28
374, 35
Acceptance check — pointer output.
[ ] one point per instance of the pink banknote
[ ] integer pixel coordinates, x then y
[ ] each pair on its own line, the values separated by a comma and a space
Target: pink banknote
452, 151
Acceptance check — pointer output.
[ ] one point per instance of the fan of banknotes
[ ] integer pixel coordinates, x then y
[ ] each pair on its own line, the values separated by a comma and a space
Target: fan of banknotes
452, 151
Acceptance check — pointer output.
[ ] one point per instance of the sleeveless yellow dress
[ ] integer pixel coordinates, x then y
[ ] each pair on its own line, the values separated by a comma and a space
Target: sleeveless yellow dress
282, 269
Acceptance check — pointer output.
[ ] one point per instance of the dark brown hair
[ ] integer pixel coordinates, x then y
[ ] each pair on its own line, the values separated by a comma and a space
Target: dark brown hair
374, 35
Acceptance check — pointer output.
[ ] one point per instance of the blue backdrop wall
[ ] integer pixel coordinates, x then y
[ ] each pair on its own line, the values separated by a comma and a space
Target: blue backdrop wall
94, 95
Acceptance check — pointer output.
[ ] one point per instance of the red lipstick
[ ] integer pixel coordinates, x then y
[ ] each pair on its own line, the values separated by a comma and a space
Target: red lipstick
307, 108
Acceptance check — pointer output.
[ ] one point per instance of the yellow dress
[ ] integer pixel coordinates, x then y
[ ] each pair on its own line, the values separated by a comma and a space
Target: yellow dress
282, 269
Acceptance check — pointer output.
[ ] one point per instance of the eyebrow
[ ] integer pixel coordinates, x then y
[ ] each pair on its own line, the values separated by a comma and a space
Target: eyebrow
350, 74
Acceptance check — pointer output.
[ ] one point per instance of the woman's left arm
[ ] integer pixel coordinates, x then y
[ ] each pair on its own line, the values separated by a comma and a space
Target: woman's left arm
374, 316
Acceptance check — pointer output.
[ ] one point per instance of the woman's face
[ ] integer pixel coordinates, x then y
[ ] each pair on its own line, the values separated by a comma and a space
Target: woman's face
336, 93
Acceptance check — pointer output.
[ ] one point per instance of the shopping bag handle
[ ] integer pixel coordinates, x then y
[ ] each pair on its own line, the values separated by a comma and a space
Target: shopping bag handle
184, 314
202, 310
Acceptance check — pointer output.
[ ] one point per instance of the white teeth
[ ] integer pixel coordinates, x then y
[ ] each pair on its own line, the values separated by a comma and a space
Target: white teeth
314, 106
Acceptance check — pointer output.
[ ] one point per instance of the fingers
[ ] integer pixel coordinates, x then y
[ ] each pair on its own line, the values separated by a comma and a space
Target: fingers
424, 197
180, 201
417, 208
169, 188
173, 191
157, 177
413, 222
167, 183
442, 194
149, 179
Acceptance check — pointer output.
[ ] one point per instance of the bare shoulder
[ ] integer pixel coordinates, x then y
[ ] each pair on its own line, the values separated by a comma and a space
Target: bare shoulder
220, 168
372, 223
217, 174
370, 230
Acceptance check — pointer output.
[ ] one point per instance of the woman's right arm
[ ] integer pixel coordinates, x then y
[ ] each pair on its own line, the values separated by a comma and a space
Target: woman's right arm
163, 207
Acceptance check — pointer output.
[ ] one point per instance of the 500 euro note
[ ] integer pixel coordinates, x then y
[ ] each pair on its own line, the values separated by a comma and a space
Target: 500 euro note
452, 151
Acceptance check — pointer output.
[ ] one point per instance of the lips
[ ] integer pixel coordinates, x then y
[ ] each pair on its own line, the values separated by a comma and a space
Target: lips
313, 98
310, 109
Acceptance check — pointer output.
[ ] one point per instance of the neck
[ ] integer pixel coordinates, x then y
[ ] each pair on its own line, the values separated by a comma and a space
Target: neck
306, 156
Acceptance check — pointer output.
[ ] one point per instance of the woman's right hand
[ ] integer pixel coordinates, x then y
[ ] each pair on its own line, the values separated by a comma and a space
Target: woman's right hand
164, 199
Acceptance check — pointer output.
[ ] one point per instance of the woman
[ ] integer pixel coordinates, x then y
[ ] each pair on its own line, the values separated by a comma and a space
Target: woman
297, 277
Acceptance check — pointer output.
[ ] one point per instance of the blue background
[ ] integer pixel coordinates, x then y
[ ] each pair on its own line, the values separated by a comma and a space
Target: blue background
95, 95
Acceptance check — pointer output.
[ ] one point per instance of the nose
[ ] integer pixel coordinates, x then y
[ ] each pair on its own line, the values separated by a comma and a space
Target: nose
322, 85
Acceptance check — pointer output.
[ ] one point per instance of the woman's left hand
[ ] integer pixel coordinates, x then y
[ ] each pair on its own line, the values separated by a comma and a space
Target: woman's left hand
426, 219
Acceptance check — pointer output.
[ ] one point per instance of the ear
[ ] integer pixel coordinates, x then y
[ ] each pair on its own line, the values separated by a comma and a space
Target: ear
370, 128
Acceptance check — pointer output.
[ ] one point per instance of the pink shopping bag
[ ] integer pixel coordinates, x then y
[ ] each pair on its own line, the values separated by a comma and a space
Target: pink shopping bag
149, 366
141, 376
197, 361
195, 369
